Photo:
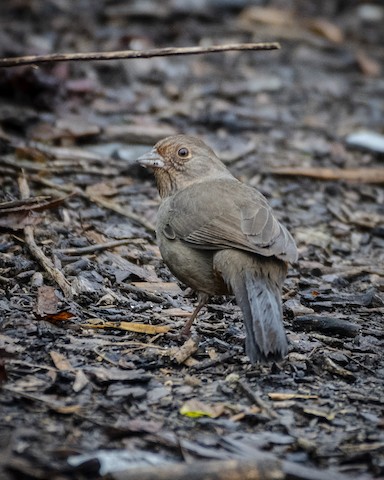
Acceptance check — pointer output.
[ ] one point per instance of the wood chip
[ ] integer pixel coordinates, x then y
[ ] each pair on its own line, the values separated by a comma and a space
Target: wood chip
60, 361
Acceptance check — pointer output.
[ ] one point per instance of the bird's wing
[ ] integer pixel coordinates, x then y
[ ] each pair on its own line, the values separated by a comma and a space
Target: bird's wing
225, 213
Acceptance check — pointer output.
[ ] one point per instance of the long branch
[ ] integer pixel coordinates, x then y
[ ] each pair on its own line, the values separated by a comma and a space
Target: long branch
155, 52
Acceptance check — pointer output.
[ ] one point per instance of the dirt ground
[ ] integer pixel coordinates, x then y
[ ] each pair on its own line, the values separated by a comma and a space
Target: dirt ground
94, 379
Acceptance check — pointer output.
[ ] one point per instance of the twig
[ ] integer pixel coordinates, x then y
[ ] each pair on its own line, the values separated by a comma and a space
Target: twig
204, 364
121, 211
262, 466
99, 247
360, 175
152, 297
124, 211
36, 251
155, 52
63, 167
256, 399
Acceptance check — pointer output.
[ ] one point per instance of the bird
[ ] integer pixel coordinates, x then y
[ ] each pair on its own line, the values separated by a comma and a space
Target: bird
220, 236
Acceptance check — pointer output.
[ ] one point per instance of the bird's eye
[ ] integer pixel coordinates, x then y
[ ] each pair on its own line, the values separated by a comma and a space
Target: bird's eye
183, 152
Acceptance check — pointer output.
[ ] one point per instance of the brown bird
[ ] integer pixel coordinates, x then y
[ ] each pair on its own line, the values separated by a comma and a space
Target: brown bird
220, 237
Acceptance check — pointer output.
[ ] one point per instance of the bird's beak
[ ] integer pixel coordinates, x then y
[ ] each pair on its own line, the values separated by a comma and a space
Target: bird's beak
151, 159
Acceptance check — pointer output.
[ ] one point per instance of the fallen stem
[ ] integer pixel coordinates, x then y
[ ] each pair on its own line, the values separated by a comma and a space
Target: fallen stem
99, 247
36, 251
360, 175
119, 54
124, 211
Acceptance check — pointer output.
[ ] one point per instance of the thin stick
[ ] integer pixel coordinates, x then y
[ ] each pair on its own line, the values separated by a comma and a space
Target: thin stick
36, 251
255, 397
100, 201
99, 247
155, 52
360, 175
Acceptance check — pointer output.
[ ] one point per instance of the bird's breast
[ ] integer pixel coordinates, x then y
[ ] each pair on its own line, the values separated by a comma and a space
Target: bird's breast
192, 266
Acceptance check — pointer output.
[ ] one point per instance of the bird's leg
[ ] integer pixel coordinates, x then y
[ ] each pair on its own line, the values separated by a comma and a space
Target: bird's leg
202, 300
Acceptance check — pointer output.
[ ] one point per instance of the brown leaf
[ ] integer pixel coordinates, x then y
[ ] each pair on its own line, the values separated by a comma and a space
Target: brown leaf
326, 29
39, 203
129, 327
332, 367
106, 189
17, 214
268, 16
49, 306
181, 354
369, 66
31, 153
47, 301
65, 409
59, 317
18, 220
60, 361
314, 412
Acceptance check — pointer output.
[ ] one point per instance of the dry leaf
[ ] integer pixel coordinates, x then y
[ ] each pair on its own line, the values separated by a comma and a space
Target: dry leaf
253, 410
101, 189
212, 353
65, 409
326, 29
268, 16
369, 66
47, 301
32, 154
80, 382
332, 367
191, 362
180, 355
60, 361
129, 326
49, 306
18, 220
195, 409
319, 413
18, 214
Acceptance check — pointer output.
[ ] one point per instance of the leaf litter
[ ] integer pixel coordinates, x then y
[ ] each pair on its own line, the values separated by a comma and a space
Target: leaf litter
303, 125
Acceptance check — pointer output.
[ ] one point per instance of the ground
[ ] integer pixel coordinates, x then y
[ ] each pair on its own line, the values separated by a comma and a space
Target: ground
76, 380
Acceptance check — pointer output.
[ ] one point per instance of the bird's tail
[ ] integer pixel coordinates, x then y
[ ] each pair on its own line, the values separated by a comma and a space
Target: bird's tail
256, 283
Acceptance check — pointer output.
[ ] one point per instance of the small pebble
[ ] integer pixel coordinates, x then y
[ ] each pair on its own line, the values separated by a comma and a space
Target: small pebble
37, 280
232, 378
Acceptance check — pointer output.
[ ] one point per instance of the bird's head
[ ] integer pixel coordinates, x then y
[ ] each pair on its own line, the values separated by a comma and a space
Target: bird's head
180, 160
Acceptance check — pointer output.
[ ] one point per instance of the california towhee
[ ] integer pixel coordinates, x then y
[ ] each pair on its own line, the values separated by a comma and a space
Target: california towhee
219, 236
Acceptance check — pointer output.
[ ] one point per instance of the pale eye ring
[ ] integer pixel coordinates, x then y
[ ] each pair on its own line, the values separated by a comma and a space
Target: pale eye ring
183, 152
